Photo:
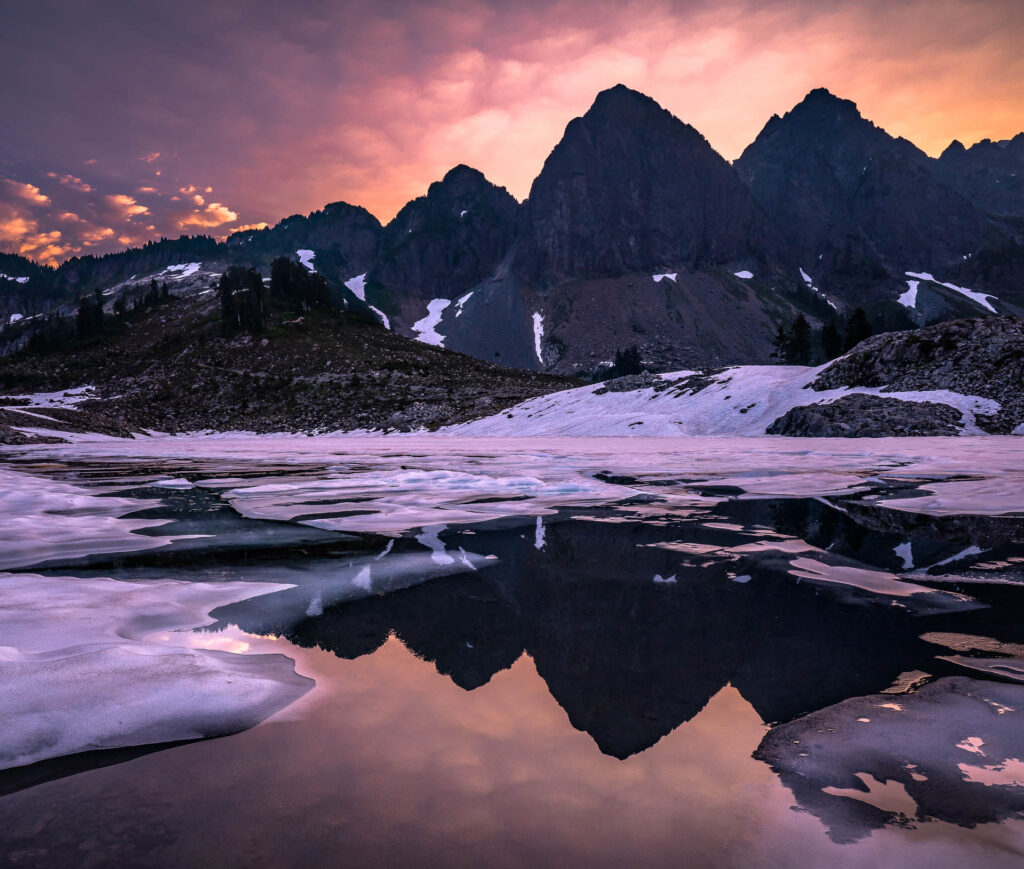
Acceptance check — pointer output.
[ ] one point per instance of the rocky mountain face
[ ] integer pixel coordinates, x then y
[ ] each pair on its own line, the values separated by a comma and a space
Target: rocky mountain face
441, 245
635, 233
982, 357
989, 174
860, 207
631, 188
344, 239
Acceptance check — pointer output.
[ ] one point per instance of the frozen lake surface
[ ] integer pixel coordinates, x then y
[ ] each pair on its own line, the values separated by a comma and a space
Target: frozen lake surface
437, 650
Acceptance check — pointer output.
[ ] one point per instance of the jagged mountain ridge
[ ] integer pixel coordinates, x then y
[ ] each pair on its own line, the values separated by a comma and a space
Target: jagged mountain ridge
861, 207
637, 232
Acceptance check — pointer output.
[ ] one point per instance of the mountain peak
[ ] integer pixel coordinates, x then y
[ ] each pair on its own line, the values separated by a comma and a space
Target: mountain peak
822, 101
621, 99
463, 172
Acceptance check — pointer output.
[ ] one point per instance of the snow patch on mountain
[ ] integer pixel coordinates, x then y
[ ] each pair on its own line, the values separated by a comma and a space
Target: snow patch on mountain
979, 298
670, 275
13, 278
909, 298
460, 302
742, 401
814, 289
15, 318
744, 275
358, 287
306, 258
426, 328
180, 272
538, 335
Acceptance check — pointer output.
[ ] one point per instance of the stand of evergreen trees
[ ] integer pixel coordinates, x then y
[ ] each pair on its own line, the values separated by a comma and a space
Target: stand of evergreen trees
800, 345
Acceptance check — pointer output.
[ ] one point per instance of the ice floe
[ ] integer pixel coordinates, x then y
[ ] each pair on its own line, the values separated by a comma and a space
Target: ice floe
83, 667
402, 482
42, 520
953, 756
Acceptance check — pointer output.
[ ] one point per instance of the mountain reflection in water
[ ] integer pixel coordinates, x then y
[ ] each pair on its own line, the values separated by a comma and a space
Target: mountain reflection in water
633, 639
881, 703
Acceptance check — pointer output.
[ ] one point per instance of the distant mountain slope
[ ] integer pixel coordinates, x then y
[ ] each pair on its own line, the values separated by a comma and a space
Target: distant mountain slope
635, 233
630, 188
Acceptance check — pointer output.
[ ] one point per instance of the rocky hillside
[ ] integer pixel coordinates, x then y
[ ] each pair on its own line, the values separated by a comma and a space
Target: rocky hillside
973, 357
170, 369
990, 174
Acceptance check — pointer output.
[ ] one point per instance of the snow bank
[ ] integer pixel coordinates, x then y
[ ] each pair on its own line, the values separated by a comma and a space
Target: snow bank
83, 667
426, 329
63, 398
738, 401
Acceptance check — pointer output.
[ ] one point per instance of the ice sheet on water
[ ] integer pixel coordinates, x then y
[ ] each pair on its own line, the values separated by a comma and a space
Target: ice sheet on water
411, 481
84, 667
42, 519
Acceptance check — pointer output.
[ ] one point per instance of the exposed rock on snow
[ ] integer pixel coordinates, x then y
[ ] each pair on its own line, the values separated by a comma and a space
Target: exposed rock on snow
871, 416
983, 357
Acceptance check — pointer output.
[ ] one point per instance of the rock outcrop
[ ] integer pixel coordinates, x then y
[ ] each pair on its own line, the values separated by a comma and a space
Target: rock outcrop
868, 416
982, 357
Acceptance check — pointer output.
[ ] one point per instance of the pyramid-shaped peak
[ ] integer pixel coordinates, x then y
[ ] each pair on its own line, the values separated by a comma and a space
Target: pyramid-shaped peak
462, 172
620, 100
823, 101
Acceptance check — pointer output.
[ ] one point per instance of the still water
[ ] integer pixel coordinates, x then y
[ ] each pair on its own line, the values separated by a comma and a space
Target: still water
729, 682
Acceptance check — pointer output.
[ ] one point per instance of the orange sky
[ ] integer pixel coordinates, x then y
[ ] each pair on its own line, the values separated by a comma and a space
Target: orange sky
279, 111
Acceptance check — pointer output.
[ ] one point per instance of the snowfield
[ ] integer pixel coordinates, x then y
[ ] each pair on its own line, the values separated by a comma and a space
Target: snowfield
737, 401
